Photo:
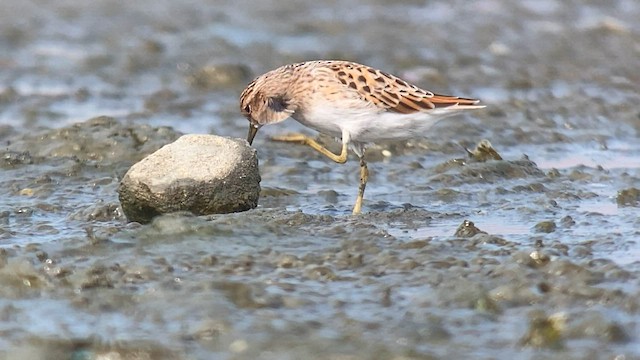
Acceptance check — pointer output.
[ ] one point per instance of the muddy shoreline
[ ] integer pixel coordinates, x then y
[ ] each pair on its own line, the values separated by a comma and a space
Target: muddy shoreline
533, 256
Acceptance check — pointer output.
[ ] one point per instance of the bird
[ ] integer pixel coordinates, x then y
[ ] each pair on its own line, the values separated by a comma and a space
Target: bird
355, 103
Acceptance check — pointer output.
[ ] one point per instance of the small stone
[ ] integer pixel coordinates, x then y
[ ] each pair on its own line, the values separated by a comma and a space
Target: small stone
545, 331
628, 197
484, 151
287, 261
201, 174
567, 221
547, 226
467, 229
539, 258
27, 192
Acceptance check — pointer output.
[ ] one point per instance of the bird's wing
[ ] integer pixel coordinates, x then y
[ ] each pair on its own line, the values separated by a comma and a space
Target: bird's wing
392, 93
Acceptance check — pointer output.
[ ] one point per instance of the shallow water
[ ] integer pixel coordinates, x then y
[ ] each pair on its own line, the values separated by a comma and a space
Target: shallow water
555, 275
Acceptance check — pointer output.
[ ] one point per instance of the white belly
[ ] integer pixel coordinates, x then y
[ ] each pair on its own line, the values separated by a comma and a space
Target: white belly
369, 126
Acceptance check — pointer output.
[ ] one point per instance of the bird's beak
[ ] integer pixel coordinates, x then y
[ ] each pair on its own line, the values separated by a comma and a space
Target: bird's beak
253, 130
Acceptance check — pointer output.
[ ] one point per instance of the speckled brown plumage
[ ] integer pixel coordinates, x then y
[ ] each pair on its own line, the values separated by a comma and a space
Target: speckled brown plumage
351, 101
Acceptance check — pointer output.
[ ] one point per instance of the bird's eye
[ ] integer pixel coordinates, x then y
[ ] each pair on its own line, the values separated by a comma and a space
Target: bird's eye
247, 109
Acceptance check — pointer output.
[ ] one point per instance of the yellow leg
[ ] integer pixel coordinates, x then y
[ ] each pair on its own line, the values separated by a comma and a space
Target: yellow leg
341, 159
305, 140
364, 176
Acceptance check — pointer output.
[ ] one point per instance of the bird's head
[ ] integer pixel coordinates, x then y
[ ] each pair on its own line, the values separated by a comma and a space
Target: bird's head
264, 101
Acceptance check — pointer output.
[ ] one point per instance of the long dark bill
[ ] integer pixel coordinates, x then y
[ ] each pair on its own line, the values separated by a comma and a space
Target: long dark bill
253, 130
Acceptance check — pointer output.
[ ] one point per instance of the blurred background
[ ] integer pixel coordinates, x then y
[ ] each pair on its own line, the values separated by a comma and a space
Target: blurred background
184, 64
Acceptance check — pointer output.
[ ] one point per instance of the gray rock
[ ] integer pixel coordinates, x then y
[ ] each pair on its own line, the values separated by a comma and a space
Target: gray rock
202, 174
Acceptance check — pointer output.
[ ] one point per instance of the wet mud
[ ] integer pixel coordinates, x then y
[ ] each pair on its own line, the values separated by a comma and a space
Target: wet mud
531, 254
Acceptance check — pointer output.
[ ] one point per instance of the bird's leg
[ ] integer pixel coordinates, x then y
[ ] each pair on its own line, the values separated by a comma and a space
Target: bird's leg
305, 140
341, 159
364, 176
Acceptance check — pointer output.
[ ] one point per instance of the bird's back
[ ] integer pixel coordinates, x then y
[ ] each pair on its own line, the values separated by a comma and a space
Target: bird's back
371, 104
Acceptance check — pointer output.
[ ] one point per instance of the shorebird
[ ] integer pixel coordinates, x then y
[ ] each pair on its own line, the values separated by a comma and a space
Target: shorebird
346, 100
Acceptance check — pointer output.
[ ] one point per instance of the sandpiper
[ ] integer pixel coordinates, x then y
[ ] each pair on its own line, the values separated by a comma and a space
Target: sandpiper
346, 100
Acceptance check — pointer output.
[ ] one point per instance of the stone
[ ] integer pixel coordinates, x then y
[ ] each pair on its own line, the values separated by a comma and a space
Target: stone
628, 197
201, 174
468, 229
546, 226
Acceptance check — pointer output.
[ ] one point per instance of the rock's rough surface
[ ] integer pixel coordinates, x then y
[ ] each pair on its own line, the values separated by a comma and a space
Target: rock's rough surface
202, 174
